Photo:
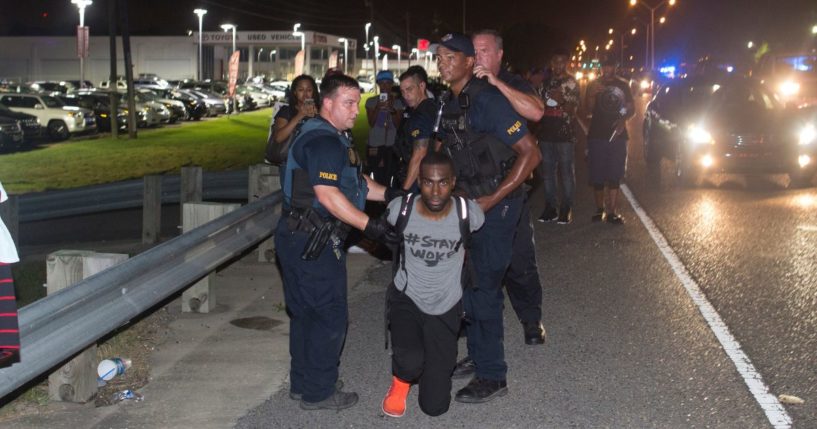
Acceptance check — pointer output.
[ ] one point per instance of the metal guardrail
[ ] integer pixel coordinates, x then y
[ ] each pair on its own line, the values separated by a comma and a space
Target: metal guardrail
227, 185
58, 326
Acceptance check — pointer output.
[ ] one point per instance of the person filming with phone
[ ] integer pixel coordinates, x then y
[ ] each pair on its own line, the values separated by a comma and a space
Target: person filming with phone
384, 113
301, 105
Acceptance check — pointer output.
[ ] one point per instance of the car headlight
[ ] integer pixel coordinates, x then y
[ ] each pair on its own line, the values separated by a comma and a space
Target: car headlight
808, 135
698, 135
789, 88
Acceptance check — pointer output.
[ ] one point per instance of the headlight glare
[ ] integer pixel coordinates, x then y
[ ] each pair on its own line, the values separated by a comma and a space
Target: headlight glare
789, 88
698, 135
808, 135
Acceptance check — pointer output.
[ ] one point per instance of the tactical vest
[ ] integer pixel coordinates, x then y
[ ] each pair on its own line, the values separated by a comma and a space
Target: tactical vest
298, 191
481, 159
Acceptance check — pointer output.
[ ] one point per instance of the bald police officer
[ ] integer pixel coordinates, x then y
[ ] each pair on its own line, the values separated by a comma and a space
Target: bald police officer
493, 154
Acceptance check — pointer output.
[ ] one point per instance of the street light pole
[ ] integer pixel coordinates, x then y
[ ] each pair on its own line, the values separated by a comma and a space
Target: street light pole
651, 32
345, 52
81, 5
376, 40
398, 57
200, 13
366, 46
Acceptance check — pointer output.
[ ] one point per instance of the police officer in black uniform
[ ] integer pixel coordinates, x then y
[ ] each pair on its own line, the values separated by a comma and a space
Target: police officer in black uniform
416, 128
324, 193
522, 279
493, 153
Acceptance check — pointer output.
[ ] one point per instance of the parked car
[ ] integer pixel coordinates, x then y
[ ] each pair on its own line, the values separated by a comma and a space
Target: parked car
196, 109
729, 125
259, 98
51, 87
11, 135
32, 129
175, 107
61, 120
215, 104
98, 102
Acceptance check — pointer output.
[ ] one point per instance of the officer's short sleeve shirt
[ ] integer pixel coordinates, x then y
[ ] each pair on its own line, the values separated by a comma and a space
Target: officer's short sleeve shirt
324, 160
492, 113
421, 121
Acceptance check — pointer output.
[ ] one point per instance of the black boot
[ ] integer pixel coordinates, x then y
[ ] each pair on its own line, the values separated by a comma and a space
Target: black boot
481, 390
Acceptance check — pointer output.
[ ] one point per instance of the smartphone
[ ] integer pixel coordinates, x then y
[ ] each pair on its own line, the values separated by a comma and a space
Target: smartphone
384, 96
309, 102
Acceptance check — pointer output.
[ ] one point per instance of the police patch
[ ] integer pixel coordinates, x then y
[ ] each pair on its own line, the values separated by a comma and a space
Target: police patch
415, 133
328, 176
514, 128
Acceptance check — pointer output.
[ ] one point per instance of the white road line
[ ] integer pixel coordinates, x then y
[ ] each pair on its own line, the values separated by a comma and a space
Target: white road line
774, 410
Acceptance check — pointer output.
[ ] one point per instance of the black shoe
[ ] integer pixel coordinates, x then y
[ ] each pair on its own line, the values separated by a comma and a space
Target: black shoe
615, 219
534, 333
565, 216
338, 401
297, 396
480, 390
464, 368
600, 216
549, 215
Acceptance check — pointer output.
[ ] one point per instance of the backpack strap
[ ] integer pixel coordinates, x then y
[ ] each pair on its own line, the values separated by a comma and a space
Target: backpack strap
406, 206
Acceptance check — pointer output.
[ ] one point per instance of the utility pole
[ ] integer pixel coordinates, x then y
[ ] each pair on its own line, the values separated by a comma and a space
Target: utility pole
123, 10
113, 96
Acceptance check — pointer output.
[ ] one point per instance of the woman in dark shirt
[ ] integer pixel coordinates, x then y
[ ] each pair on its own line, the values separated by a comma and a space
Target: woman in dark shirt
302, 103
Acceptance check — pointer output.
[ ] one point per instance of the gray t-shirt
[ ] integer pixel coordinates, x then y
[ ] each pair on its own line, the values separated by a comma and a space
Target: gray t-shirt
434, 269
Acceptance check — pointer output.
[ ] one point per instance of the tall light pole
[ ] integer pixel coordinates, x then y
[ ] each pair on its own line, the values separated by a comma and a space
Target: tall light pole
200, 13
376, 40
366, 46
345, 42
651, 32
416, 53
228, 27
398, 57
81, 5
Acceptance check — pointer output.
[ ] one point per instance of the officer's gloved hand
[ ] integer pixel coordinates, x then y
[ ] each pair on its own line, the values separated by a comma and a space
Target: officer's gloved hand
392, 193
379, 229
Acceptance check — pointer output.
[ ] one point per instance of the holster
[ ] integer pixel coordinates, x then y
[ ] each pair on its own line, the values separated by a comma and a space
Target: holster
320, 231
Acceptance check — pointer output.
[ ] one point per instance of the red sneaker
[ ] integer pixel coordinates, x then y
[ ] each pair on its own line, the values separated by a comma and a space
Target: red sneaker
394, 404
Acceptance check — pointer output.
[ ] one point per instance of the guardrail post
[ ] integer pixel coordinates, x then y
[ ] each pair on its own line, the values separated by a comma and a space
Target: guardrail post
152, 209
76, 380
191, 185
264, 180
201, 297
10, 213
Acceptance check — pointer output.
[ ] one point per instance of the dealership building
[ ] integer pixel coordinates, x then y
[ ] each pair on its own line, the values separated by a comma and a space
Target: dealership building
269, 53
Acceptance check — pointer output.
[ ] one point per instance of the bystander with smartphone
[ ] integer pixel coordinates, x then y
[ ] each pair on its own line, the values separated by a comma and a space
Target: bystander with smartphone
384, 113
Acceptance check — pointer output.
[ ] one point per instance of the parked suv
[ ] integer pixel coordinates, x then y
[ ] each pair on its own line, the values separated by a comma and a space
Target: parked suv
61, 120
30, 124
11, 135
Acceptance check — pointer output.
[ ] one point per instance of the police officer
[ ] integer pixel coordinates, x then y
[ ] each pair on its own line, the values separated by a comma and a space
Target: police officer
417, 126
522, 280
493, 153
324, 193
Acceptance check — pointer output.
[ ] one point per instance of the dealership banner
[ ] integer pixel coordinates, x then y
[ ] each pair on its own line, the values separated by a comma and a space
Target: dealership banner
82, 42
233, 73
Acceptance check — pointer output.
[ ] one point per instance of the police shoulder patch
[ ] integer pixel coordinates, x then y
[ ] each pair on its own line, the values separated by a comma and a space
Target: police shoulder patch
328, 176
415, 133
514, 128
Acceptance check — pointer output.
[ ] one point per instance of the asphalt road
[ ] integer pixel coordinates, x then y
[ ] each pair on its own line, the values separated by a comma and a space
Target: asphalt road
627, 345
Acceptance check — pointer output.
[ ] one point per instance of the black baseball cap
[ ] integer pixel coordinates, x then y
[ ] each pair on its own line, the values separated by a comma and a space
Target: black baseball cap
458, 42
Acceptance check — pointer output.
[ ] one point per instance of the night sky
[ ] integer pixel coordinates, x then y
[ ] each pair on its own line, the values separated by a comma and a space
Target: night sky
532, 28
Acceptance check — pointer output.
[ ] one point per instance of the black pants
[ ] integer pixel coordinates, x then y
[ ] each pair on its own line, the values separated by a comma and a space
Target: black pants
522, 279
382, 162
424, 349
316, 299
